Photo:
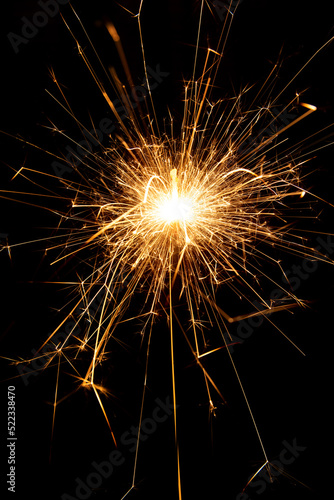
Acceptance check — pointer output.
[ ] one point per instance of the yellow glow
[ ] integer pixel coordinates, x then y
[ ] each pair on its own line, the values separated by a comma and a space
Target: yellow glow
176, 209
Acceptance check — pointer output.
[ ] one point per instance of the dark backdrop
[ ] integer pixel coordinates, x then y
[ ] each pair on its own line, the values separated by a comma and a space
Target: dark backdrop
290, 394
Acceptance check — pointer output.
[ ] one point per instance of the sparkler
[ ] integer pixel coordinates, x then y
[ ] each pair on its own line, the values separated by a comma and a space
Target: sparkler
203, 206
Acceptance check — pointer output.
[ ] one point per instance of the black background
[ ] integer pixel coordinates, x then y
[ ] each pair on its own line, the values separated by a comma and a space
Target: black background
290, 394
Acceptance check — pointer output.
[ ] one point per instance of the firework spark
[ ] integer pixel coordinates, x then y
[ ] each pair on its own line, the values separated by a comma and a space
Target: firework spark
203, 206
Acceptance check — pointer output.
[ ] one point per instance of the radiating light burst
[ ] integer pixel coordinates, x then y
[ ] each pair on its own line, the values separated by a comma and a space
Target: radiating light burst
204, 205
209, 207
